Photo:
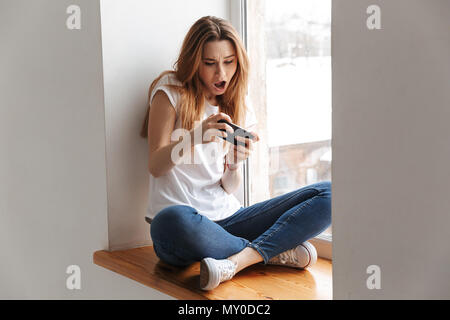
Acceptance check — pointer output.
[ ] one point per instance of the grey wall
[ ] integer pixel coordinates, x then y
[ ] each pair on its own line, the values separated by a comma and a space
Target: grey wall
53, 203
391, 151
141, 39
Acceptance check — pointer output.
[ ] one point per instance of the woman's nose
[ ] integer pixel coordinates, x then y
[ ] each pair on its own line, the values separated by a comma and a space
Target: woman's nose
220, 70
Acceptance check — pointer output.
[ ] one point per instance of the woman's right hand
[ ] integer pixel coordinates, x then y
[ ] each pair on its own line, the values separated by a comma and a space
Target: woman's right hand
210, 129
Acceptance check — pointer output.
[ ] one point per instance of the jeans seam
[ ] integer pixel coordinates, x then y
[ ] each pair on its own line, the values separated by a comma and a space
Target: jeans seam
267, 209
259, 250
285, 222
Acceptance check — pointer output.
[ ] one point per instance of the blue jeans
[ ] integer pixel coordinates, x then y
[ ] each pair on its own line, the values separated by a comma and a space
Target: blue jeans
181, 236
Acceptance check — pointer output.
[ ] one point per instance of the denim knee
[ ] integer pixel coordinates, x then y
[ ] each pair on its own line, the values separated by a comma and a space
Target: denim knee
323, 212
325, 193
168, 231
324, 187
169, 221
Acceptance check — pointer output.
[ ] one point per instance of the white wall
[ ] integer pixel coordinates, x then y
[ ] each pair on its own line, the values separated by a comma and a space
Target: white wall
141, 39
391, 151
53, 203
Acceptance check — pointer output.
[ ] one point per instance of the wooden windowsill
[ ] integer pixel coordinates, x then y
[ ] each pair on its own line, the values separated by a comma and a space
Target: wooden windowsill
253, 283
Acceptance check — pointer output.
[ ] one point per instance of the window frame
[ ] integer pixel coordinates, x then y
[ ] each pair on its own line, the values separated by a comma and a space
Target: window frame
238, 17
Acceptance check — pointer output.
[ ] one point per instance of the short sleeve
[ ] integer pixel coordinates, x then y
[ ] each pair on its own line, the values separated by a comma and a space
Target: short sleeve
171, 93
250, 117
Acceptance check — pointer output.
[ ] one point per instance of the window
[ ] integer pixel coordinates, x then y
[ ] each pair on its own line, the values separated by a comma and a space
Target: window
289, 45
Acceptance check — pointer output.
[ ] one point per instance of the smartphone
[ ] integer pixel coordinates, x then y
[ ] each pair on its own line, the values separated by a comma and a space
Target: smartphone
238, 131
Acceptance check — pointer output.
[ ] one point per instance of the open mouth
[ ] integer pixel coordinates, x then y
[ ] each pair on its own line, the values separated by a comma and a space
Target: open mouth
220, 85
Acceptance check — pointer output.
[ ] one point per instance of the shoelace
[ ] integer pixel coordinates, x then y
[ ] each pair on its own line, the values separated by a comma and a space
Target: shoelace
227, 269
288, 256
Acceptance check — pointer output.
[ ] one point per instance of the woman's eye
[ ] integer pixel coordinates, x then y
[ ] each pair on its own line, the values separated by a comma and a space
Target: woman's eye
213, 63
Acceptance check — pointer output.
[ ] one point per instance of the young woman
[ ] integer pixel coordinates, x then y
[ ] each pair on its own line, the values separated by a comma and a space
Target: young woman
195, 216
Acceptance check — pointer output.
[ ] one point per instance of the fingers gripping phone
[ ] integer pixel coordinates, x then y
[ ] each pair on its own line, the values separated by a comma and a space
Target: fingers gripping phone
238, 131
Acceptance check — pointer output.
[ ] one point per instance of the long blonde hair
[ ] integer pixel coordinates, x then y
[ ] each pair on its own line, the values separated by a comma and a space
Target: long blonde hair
186, 69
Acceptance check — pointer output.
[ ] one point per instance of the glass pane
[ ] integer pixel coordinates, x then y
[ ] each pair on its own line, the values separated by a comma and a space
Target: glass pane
297, 60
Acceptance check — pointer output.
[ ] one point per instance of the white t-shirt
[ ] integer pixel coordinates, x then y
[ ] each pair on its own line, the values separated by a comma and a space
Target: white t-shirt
195, 184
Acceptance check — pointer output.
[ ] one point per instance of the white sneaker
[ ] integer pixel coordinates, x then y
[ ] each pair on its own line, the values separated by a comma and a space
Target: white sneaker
301, 257
213, 272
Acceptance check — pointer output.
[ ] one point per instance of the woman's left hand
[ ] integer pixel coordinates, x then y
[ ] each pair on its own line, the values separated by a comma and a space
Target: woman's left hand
238, 153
